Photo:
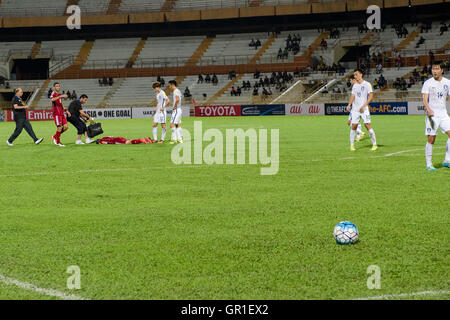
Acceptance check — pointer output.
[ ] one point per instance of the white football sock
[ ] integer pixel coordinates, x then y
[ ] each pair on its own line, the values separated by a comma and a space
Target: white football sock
155, 134
352, 137
447, 154
359, 130
163, 135
372, 137
180, 133
429, 154
174, 134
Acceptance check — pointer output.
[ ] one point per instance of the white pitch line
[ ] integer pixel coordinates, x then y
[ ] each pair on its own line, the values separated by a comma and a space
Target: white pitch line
32, 287
404, 295
387, 155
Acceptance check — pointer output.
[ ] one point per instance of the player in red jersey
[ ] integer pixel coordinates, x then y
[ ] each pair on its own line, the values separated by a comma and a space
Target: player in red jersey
120, 140
59, 113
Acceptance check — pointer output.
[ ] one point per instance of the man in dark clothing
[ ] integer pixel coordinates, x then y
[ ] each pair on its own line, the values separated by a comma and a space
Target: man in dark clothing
78, 118
20, 117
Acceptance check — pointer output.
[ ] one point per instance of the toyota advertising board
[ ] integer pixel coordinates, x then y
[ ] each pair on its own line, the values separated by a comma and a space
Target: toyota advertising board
218, 111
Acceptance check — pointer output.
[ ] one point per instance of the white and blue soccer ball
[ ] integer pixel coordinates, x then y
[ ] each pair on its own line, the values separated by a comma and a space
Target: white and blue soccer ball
345, 232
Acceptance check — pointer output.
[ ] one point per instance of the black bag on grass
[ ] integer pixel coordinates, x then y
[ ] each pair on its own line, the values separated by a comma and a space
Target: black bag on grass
95, 130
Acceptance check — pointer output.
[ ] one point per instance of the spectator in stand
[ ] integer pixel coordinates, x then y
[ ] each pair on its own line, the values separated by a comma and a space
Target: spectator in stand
257, 44
74, 95
208, 79
233, 91
7, 86
444, 28
187, 93
69, 95
110, 81
252, 43
238, 91
200, 79
280, 54
257, 74
255, 91
215, 80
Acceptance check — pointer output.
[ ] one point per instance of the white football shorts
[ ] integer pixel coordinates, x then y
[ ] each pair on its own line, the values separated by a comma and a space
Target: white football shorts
441, 122
176, 116
160, 117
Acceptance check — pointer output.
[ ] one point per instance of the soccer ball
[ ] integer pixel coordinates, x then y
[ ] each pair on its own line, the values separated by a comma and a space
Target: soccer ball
345, 233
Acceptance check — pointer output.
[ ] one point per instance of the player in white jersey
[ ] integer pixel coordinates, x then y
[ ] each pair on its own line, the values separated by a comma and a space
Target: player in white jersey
435, 92
360, 133
362, 95
175, 121
160, 112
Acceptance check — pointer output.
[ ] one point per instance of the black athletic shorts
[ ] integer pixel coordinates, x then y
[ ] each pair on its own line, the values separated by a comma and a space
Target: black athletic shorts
77, 123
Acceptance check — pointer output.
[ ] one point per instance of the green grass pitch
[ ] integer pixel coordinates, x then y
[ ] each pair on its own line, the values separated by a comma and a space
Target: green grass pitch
139, 227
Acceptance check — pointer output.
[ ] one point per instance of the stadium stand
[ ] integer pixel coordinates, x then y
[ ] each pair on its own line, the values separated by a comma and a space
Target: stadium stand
134, 63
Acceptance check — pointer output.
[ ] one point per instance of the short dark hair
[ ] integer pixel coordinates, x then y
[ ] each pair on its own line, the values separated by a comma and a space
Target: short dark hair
16, 90
83, 96
352, 77
359, 70
174, 82
438, 63
156, 85
56, 83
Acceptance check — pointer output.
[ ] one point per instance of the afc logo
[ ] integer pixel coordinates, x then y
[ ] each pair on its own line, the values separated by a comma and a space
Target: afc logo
428, 130
359, 94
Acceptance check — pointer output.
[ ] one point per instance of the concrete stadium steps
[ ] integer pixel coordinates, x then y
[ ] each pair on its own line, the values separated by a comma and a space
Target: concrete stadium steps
232, 48
80, 60
246, 96
94, 7
113, 89
136, 53
409, 39
70, 3
445, 48
114, 6
168, 5
95, 92
35, 50
168, 51
315, 45
38, 98
133, 91
110, 53
197, 90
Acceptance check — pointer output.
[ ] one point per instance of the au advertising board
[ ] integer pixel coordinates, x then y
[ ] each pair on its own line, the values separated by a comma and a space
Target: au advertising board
264, 110
305, 109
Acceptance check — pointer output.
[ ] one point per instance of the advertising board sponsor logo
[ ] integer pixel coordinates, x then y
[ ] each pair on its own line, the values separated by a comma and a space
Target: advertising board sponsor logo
264, 110
218, 111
